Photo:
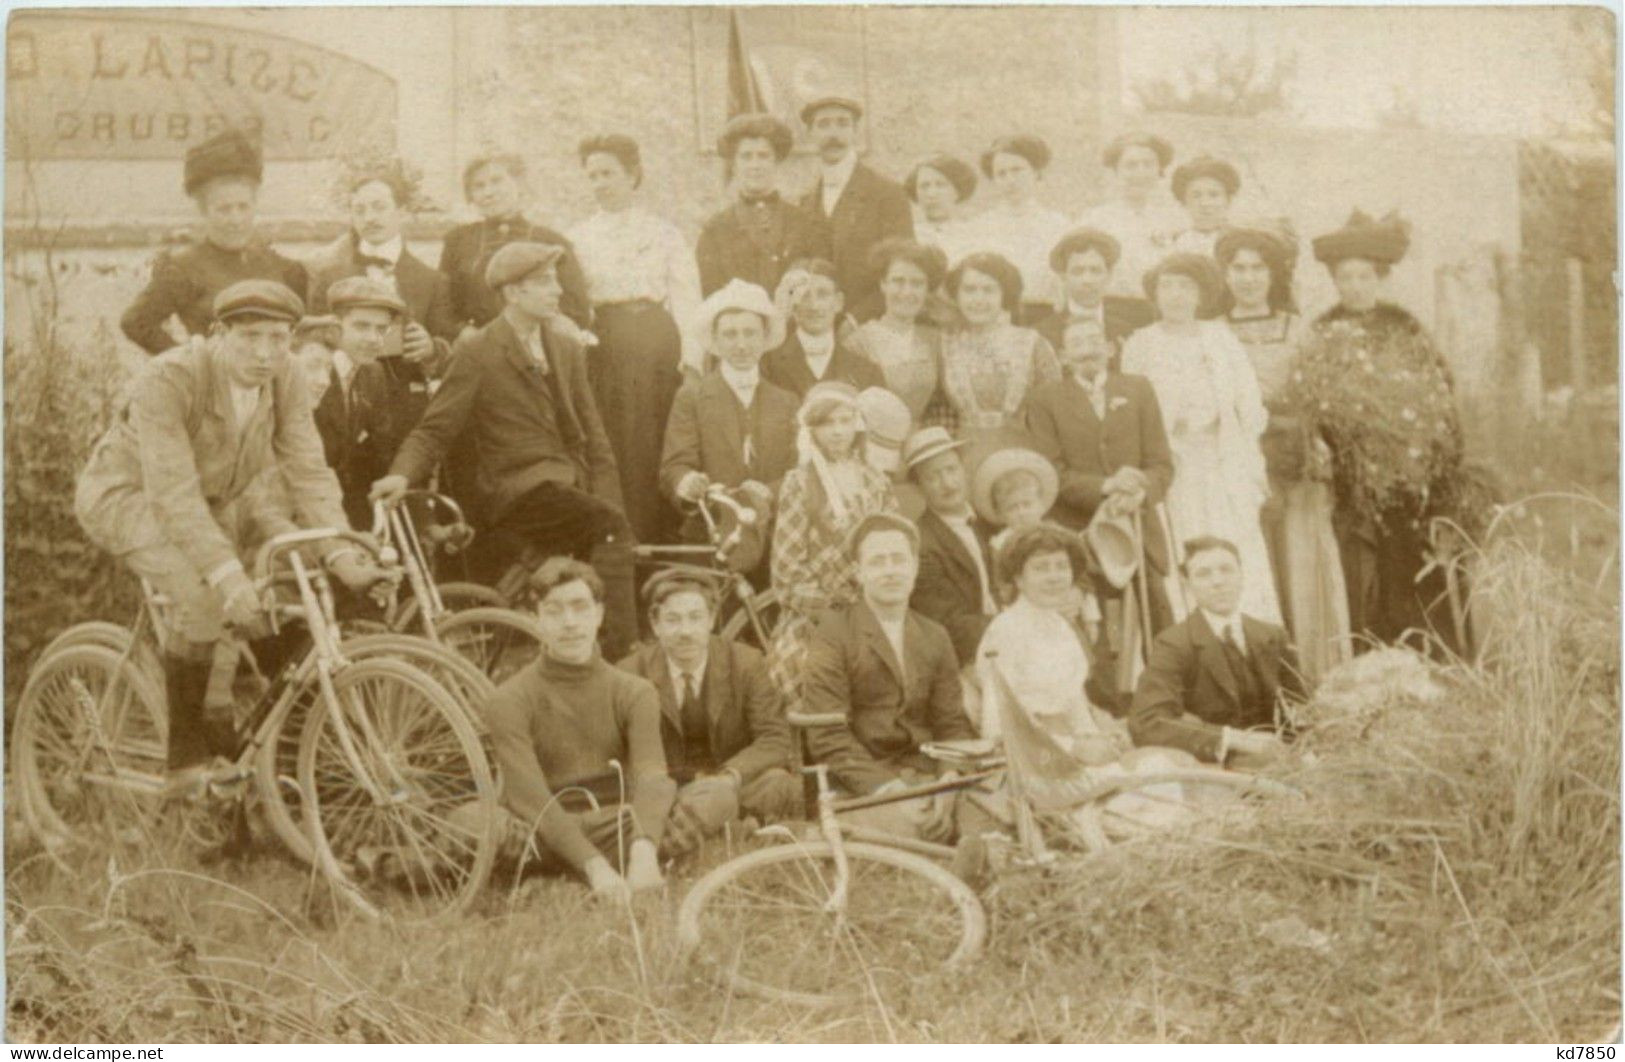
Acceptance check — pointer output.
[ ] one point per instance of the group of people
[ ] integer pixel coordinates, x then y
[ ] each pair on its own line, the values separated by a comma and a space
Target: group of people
1023, 476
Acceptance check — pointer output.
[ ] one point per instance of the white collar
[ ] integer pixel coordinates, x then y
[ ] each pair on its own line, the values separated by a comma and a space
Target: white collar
837, 175
961, 518
678, 674
389, 250
824, 344
344, 365
1095, 384
1219, 624
739, 380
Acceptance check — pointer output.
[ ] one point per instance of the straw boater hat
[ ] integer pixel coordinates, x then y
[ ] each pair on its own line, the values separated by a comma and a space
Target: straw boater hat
886, 424
1384, 240
1116, 547
735, 295
927, 443
1001, 463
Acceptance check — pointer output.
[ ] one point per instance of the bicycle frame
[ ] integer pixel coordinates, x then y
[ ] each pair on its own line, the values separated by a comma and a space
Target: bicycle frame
393, 524
736, 586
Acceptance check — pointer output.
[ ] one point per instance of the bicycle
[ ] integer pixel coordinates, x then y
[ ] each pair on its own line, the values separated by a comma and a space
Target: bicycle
385, 751
744, 611
472, 619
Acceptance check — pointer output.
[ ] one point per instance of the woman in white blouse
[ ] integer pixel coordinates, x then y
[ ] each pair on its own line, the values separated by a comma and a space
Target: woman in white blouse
937, 186
1205, 187
642, 279
1214, 415
1143, 218
1017, 225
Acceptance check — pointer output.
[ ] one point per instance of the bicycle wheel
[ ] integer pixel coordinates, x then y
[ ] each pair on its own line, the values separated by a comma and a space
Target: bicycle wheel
738, 627
762, 921
499, 641
457, 597
112, 636
277, 761
399, 796
88, 746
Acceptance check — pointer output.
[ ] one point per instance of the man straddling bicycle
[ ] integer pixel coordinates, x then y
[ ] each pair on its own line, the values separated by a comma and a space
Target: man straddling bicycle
518, 389
178, 488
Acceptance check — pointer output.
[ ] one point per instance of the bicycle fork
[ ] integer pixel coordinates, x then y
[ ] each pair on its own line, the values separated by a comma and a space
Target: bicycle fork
831, 829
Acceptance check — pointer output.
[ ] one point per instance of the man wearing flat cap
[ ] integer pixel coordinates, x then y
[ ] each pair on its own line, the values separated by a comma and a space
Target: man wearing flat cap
222, 177
517, 391
758, 235
177, 490
861, 206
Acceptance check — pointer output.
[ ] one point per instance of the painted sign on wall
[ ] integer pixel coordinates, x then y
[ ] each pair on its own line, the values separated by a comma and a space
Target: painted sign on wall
131, 87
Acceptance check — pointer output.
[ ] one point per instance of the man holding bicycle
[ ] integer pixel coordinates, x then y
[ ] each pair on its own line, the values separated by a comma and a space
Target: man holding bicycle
183, 481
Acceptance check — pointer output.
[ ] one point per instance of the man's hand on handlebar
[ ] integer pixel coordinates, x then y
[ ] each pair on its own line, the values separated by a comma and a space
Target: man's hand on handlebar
361, 573
692, 487
388, 489
243, 608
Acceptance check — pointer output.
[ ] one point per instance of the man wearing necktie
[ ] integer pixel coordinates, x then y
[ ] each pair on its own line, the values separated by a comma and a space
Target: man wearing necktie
955, 585
758, 235
516, 399
1212, 683
722, 723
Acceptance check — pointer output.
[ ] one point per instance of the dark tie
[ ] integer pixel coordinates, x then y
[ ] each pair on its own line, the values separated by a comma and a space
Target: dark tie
696, 725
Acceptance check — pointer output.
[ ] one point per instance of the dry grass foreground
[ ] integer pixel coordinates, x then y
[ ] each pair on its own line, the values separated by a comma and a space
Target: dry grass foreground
1452, 874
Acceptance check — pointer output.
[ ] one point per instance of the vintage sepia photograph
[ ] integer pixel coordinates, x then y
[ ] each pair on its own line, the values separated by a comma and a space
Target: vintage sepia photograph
776, 524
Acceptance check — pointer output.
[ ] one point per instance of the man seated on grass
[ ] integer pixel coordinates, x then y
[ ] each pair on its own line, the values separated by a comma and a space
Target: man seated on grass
727, 744
893, 674
1211, 683
560, 727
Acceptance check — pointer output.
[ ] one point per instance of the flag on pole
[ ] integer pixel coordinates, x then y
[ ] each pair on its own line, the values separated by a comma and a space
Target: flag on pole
744, 94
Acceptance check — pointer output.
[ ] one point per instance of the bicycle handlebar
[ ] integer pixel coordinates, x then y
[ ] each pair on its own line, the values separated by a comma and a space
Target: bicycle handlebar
273, 550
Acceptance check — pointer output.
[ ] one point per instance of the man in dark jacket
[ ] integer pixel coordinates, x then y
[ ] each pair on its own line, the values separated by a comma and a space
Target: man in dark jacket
861, 206
955, 584
721, 721
1084, 260
1213, 682
223, 177
543, 465
812, 353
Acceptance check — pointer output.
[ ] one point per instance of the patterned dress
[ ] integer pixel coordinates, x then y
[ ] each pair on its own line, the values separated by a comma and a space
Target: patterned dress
987, 375
811, 569
909, 359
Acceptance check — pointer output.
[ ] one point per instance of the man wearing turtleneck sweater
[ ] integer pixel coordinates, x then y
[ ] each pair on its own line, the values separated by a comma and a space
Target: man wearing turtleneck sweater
570, 722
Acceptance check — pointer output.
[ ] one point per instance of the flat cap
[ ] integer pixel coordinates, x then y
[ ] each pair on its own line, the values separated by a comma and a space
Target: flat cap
259, 298
230, 154
515, 261
811, 107
364, 291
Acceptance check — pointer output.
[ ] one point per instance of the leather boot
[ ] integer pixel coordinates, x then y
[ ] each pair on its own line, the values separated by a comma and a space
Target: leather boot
613, 562
186, 683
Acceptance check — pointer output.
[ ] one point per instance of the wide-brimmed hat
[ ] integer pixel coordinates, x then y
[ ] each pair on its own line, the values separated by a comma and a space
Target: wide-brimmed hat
1137, 138
230, 154
1383, 240
927, 443
886, 424
736, 295
363, 291
1001, 463
1200, 268
1116, 547
1205, 166
811, 107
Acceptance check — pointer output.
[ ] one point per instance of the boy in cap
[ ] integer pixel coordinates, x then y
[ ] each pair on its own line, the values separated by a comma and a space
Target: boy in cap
176, 490
861, 206
517, 389
222, 176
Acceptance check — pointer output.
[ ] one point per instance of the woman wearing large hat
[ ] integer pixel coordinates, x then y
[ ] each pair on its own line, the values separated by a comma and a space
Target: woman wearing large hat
222, 176
1017, 225
1205, 187
1257, 262
1214, 416
1142, 217
1383, 535
822, 499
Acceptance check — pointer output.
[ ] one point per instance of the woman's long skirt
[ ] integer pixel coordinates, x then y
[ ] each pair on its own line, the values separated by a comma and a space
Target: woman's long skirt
635, 375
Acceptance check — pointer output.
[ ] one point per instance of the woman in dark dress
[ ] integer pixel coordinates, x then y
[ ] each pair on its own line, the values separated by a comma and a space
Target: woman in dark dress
495, 185
223, 177
1387, 493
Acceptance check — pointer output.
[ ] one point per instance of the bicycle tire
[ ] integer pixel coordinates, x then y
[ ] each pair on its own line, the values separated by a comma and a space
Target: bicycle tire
456, 596
447, 774
276, 764
890, 888
70, 769
499, 641
114, 636
737, 627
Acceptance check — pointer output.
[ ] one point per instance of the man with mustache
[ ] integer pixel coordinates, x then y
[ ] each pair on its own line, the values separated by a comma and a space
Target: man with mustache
721, 721
862, 207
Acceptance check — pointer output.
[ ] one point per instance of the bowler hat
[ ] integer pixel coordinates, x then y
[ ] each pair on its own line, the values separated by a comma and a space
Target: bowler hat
812, 107
363, 291
230, 154
927, 443
515, 261
1001, 463
258, 298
